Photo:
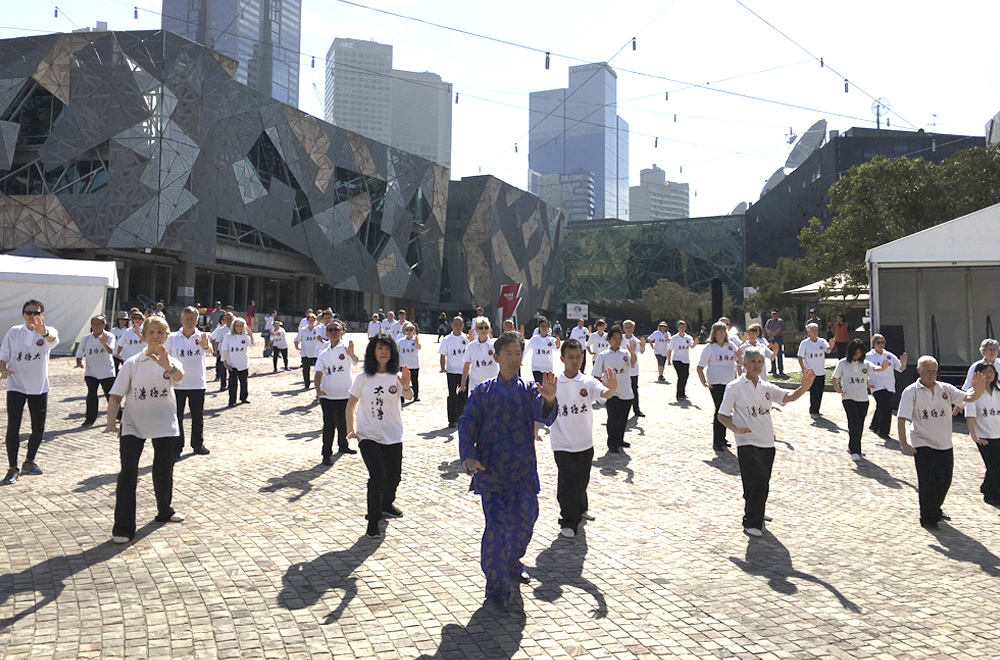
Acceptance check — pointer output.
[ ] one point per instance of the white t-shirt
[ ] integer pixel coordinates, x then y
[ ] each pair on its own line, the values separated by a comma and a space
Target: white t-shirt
598, 342
374, 328
660, 342
98, 363
279, 338
854, 379
130, 344
573, 429
27, 356
219, 334
582, 335
335, 365
148, 392
117, 332
813, 354
542, 351
479, 355
719, 362
386, 325
635, 341
681, 347
749, 406
453, 348
409, 354
883, 380
311, 342
192, 358
379, 405
768, 354
268, 323
972, 371
395, 329
235, 351
302, 324
618, 362
929, 413
986, 411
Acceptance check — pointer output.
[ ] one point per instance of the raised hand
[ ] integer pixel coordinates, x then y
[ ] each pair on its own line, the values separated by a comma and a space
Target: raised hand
204, 341
548, 387
404, 378
350, 348
808, 376
162, 358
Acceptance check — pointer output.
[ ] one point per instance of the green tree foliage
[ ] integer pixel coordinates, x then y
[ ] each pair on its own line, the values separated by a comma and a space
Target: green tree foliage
670, 301
771, 283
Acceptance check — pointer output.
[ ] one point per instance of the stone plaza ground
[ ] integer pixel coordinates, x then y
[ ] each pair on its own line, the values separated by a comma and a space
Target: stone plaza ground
272, 561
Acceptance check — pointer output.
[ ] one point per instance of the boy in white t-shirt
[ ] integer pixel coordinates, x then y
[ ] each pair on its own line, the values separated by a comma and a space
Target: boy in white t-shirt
572, 434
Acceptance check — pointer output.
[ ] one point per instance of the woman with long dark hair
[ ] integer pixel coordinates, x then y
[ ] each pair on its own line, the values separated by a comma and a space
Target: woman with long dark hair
850, 379
983, 418
376, 399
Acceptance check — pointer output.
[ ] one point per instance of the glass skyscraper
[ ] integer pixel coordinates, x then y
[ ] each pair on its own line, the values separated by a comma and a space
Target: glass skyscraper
577, 129
264, 36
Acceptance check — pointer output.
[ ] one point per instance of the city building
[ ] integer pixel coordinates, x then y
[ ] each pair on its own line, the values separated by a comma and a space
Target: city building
405, 109
573, 193
264, 36
577, 129
792, 197
993, 130
497, 234
655, 198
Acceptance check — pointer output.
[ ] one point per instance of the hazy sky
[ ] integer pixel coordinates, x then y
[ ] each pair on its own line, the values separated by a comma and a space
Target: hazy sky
936, 68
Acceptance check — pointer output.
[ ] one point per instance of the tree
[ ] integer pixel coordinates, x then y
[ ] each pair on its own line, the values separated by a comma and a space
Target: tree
971, 180
670, 301
771, 283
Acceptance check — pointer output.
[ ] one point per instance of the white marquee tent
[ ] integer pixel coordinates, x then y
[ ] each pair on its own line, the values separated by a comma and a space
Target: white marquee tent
72, 291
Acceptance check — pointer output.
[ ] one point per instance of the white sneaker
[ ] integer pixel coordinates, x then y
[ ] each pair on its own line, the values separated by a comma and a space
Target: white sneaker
177, 517
753, 531
587, 515
567, 532
856, 458
120, 539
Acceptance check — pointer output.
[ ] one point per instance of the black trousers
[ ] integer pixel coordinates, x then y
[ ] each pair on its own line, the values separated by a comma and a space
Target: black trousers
718, 430
164, 456
571, 486
816, 392
991, 482
856, 413
38, 405
334, 419
635, 394
385, 468
778, 361
221, 374
682, 369
415, 382
617, 420
92, 403
934, 470
456, 399
275, 352
307, 364
882, 418
196, 400
755, 471
841, 349
538, 376
238, 377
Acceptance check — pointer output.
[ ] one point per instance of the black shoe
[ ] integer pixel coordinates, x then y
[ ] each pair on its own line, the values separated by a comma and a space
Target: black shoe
89, 422
232, 404
930, 526
328, 460
415, 399
945, 517
626, 444
346, 450
391, 511
615, 450
639, 414
223, 388
201, 451
373, 531
496, 605
245, 401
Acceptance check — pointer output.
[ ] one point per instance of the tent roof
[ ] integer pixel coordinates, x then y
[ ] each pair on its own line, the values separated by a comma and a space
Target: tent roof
58, 271
835, 294
968, 240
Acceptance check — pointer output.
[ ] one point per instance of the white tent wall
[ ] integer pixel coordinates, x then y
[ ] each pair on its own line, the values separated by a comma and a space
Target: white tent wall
73, 291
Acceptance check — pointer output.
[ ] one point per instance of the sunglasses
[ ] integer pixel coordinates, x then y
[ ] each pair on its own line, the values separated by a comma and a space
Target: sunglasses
32, 313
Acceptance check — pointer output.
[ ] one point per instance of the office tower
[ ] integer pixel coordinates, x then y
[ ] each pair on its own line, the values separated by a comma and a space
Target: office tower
577, 129
655, 198
262, 35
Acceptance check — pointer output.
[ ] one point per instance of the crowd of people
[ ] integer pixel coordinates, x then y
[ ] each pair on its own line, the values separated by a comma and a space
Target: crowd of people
151, 377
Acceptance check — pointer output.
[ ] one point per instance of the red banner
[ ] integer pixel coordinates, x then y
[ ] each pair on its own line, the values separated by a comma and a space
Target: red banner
509, 299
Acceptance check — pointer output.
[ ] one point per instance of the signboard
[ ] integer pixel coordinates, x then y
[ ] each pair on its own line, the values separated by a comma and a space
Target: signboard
577, 311
509, 299
185, 292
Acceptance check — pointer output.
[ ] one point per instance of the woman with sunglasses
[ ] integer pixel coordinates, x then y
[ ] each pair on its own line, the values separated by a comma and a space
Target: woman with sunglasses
409, 355
131, 342
480, 365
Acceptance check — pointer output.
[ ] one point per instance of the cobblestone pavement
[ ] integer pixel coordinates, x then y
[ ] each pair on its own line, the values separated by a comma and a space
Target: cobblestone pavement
272, 561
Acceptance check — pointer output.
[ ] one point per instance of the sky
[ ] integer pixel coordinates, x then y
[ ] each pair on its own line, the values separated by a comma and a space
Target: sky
743, 76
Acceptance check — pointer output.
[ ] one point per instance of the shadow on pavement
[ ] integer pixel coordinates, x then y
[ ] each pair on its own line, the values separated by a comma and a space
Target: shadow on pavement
725, 462
878, 473
824, 423
489, 635
301, 479
98, 480
439, 433
767, 557
561, 565
48, 577
684, 404
611, 464
451, 471
300, 410
960, 547
305, 583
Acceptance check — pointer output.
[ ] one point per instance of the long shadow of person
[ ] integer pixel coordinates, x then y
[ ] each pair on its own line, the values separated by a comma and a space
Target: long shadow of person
439, 433
725, 462
561, 565
98, 480
768, 558
824, 423
304, 409
611, 464
870, 470
684, 404
488, 635
451, 471
301, 479
960, 547
49, 576
305, 583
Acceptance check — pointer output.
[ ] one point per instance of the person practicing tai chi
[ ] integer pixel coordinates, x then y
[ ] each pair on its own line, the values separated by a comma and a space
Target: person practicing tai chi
983, 419
496, 442
333, 389
746, 411
812, 355
618, 359
851, 380
191, 348
97, 349
572, 434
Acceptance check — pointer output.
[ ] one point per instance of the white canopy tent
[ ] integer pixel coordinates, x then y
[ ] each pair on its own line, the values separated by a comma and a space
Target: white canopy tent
72, 291
937, 288
834, 293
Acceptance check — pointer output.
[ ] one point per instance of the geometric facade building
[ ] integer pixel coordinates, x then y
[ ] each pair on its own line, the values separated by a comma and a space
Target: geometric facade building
141, 147
607, 260
498, 234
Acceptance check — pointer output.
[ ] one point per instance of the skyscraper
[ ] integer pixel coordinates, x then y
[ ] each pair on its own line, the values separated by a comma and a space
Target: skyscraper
405, 109
577, 129
264, 36
655, 198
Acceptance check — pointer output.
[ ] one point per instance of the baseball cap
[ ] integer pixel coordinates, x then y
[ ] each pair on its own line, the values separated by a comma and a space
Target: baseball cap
774, 311
812, 310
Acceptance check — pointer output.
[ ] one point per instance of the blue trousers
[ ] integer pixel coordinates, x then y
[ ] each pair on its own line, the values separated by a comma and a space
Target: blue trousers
510, 521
